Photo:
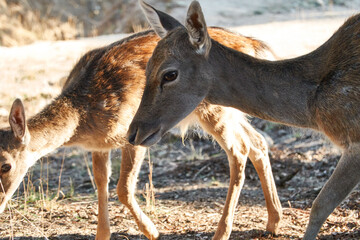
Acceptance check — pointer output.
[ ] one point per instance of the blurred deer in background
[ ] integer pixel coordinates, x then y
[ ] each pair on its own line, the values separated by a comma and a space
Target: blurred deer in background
94, 111
320, 90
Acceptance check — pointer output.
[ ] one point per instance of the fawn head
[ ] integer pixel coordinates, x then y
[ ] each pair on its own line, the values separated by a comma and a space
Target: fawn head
178, 75
13, 153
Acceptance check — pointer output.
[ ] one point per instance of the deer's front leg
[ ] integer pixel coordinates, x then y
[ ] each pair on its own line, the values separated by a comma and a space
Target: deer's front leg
102, 172
260, 159
345, 177
132, 157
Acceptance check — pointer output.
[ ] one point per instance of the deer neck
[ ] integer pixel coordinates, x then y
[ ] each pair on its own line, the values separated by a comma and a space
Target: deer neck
280, 91
52, 127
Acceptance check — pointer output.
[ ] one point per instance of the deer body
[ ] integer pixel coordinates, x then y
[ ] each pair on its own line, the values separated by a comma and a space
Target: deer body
94, 110
301, 92
320, 90
273, 94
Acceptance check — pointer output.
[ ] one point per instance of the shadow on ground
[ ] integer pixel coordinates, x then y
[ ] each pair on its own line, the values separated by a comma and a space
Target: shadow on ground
238, 235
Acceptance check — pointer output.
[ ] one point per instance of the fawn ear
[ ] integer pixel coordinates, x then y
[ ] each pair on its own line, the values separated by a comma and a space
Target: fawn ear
18, 122
196, 27
159, 21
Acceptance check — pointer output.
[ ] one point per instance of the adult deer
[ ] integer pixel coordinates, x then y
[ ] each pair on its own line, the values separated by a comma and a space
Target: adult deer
320, 90
94, 111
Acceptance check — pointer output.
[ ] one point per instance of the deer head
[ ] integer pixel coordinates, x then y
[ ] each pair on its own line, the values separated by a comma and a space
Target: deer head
178, 75
14, 154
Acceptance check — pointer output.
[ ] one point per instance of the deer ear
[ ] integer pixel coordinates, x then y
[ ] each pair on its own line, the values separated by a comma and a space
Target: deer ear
159, 21
196, 27
18, 122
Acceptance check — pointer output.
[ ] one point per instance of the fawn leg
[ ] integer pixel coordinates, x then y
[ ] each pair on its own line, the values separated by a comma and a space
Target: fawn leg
102, 172
132, 157
345, 177
260, 159
229, 134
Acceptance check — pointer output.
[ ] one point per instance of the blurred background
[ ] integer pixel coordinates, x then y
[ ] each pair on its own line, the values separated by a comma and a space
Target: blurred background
25, 21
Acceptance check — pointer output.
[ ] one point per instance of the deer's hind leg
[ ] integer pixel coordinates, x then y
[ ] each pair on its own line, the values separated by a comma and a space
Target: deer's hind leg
231, 130
102, 172
260, 159
345, 177
132, 158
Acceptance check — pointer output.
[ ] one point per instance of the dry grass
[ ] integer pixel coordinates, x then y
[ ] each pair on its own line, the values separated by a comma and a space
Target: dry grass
149, 193
21, 24
25, 21
186, 207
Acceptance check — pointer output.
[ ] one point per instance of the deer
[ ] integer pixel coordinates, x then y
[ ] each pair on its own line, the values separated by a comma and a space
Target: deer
94, 111
319, 91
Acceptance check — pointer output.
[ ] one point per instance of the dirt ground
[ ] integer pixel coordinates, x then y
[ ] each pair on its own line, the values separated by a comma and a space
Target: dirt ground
58, 200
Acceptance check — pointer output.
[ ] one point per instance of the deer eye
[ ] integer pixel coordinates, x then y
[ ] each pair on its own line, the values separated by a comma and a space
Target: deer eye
170, 76
5, 168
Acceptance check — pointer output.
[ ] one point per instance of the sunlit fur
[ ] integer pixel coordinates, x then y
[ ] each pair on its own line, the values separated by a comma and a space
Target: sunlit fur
94, 110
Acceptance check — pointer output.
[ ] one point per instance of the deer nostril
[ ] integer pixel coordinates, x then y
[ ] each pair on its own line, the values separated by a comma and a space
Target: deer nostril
132, 137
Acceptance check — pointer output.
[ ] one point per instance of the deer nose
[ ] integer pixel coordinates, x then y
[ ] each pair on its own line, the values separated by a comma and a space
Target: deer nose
132, 136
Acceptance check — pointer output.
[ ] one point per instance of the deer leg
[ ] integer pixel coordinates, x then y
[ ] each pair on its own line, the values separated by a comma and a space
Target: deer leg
345, 177
260, 159
237, 176
229, 134
132, 158
102, 171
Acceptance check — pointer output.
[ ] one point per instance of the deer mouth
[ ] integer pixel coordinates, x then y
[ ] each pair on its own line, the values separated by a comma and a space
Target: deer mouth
146, 139
152, 138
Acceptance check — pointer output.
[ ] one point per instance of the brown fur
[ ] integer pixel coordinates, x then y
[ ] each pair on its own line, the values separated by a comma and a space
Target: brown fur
320, 90
94, 110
